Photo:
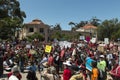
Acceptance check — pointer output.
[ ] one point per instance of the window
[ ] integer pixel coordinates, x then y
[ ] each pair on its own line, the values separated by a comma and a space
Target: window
41, 30
31, 30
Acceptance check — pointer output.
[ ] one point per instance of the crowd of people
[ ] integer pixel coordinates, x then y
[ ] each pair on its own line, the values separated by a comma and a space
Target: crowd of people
80, 61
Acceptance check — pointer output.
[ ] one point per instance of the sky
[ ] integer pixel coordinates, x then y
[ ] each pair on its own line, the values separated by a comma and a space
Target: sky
62, 12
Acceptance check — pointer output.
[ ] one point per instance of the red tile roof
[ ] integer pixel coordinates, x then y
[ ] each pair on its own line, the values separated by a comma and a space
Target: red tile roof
89, 26
36, 21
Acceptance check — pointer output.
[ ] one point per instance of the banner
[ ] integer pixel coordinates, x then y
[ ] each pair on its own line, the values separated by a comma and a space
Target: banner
48, 49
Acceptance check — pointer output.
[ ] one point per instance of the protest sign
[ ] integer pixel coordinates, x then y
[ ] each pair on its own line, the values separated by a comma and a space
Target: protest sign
93, 40
48, 48
106, 40
28, 46
82, 37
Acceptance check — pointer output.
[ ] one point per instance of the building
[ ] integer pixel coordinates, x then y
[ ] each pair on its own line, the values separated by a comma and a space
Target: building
88, 30
35, 26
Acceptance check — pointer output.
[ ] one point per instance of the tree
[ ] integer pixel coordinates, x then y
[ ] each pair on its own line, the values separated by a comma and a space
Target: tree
81, 24
108, 29
75, 26
11, 17
72, 24
57, 27
56, 35
94, 21
11, 8
35, 36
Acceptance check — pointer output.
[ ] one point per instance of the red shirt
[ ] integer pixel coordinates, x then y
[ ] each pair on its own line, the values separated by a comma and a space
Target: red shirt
50, 61
66, 74
62, 54
19, 76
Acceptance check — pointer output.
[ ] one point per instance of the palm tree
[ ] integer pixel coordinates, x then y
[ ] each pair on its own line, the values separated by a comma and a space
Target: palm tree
94, 21
72, 24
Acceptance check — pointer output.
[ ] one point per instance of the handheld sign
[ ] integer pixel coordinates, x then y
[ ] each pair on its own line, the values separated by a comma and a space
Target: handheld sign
48, 48
106, 40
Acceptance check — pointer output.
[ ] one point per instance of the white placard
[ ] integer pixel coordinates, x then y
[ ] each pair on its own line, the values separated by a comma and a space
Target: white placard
106, 40
93, 40
28, 46
82, 37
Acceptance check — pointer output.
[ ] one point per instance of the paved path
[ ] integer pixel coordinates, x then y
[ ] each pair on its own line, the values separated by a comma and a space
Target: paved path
4, 77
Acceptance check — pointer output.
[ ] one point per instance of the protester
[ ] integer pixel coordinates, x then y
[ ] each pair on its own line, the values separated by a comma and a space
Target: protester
78, 76
61, 56
31, 75
95, 71
15, 74
102, 68
67, 71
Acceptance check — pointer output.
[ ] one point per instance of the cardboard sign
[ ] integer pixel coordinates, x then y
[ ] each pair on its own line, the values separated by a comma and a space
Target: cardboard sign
48, 48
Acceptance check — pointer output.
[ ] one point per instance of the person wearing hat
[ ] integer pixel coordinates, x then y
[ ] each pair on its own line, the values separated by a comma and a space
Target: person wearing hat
15, 74
101, 65
67, 72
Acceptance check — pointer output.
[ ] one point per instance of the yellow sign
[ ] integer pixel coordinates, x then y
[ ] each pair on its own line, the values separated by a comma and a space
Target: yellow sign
48, 48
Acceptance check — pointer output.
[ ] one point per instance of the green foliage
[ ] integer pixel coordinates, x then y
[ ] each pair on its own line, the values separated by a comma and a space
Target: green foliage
106, 29
35, 36
62, 36
57, 27
11, 17
116, 35
56, 35
109, 29
94, 21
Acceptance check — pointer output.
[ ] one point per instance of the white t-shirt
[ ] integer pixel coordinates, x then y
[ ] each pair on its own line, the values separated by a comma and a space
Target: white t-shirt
13, 77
